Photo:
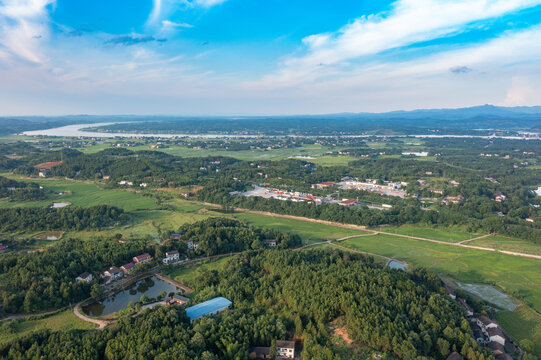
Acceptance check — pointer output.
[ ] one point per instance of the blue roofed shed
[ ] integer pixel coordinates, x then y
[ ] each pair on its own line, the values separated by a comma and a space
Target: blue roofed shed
210, 307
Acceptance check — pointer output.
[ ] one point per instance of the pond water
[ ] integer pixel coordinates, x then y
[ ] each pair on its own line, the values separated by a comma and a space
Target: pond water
150, 286
58, 205
490, 294
393, 264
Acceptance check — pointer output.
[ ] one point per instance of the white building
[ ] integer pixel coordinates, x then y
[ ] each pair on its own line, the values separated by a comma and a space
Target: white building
285, 349
86, 277
171, 257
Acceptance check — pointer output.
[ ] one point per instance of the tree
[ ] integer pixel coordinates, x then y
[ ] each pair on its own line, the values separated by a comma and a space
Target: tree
96, 291
272, 350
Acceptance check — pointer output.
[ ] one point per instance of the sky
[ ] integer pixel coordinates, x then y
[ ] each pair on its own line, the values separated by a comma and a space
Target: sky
266, 57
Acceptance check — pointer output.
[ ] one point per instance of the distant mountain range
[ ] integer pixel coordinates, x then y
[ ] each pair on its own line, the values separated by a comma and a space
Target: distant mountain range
520, 118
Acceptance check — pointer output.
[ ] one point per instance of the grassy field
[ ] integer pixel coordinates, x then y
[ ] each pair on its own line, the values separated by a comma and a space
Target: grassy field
185, 274
523, 323
64, 320
450, 235
84, 194
519, 277
509, 244
310, 232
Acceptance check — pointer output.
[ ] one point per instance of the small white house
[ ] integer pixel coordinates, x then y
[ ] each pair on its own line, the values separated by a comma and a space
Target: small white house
171, 257
86, 277
285, 349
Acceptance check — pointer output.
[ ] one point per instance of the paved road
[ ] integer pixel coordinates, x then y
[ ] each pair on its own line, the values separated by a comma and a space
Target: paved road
77, 311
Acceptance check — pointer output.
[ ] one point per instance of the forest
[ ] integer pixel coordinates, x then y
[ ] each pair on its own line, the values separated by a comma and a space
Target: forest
282, 295
42, 280
67, 218
20, 191
221, 236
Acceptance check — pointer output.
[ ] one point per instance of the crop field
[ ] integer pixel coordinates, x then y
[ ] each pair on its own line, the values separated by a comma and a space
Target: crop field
509, 244
450, 235
517, 276
64, 320
84, 194
309, 232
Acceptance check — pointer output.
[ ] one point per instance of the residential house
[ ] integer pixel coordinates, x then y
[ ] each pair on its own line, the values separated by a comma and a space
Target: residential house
270, 242
285, 349
436, 191
496, 334
192, 245
114, 273
453, 199
177, 300
142, 259
128, 268
175, 236
86, 277
349, 202
259, 352
124, 240
324, 185
421, 181
455, 356
170, 257
450, 291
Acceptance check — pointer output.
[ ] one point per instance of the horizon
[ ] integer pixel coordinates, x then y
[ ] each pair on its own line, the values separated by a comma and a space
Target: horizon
277, 58
233, 116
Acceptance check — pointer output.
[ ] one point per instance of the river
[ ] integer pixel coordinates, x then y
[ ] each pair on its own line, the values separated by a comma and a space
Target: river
76, 131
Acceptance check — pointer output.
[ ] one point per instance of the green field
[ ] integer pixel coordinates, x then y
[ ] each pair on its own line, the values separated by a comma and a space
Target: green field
523, 323
509, 244
310, 232
84, 194
517, 276
185, 274
64, 320
450, 235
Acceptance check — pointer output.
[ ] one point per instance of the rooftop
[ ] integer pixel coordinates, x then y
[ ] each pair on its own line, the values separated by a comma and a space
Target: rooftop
290, 344
196, 311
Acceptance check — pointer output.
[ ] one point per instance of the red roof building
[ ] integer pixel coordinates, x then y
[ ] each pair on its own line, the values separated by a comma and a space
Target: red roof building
142, 259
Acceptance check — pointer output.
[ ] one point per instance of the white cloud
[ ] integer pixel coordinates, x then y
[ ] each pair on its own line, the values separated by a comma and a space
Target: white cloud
22, 26
172, 24
409, 22
208, 3
521, 93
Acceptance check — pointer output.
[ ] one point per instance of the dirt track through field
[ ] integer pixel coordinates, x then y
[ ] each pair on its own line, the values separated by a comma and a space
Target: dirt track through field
375, 232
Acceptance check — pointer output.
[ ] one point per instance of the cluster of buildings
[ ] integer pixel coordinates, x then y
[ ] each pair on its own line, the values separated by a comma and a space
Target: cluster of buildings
370, 185
45, 168
114, 273
486, 331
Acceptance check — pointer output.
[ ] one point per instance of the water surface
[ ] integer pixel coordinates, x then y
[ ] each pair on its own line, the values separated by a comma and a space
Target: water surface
150, 286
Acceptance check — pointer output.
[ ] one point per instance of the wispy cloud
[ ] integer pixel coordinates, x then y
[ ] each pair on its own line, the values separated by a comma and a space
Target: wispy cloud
22, 22
173, 24
409, 22
460, 69
128, 40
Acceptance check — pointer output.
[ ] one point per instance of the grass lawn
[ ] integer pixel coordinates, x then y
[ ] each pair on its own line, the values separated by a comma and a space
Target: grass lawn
185, 274
85, 195
519, 277
64, 320
447, 234
310, 232
509, 244
523, 323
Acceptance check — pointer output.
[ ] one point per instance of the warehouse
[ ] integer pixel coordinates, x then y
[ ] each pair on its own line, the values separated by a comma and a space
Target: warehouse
210, 307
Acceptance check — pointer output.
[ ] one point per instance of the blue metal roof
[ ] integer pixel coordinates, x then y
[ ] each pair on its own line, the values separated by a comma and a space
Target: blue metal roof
210, 306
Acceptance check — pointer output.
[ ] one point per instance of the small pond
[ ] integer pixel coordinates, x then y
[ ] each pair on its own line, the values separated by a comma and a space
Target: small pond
393, 264
150, 286
58, 205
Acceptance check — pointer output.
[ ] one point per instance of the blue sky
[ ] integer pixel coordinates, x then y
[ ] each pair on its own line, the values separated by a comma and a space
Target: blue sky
242, 57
